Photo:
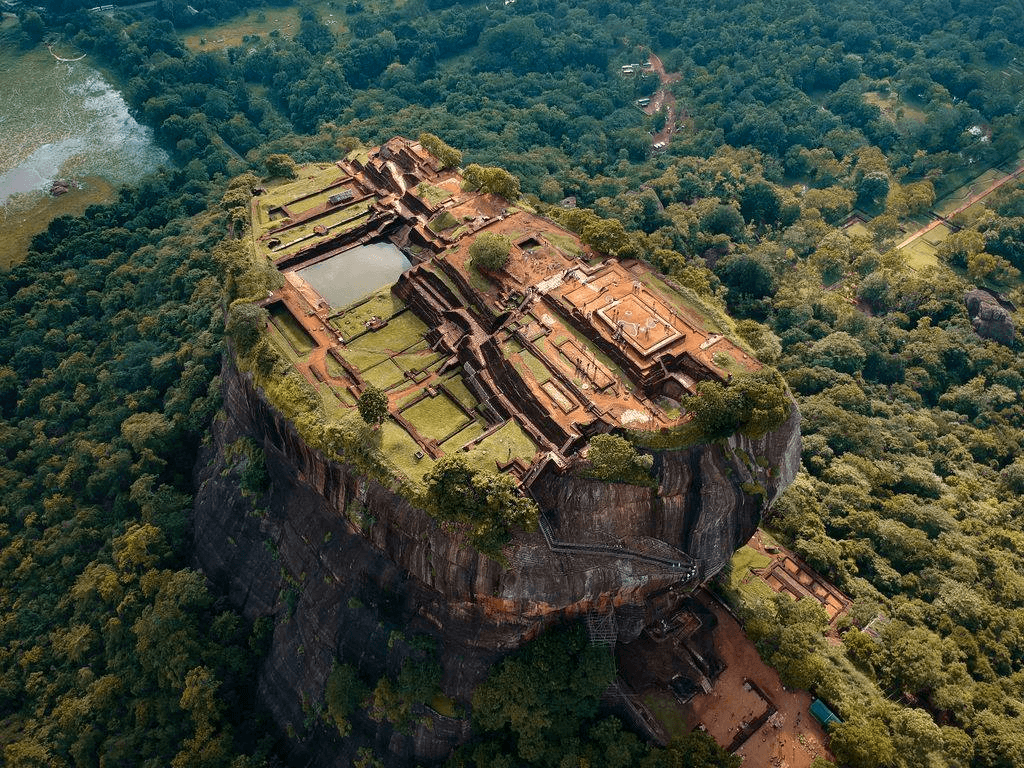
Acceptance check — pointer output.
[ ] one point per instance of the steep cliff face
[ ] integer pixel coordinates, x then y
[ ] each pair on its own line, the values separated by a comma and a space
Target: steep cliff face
341, 563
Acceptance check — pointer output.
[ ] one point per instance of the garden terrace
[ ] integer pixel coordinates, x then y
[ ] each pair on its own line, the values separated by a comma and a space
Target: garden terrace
518, 366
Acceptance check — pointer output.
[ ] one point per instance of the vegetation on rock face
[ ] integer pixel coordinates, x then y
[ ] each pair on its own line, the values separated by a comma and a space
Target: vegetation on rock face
486, 506
613, 458
490, 251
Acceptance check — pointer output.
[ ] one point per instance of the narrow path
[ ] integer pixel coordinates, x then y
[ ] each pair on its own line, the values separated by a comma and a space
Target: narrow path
59, 58
963, 206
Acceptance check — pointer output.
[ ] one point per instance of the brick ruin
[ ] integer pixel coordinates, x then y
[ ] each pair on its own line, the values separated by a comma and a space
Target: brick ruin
561, 343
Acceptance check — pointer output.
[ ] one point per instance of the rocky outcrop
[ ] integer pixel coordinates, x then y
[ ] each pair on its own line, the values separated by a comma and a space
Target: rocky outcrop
348, 569
990, 316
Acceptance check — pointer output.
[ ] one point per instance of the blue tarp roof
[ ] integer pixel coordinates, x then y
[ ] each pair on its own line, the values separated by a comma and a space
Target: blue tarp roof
825, 715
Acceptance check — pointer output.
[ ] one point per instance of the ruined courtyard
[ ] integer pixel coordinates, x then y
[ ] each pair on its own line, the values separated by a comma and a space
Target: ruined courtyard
517, 367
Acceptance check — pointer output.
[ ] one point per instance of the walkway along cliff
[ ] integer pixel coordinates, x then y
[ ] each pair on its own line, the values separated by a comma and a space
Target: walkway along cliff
339, 562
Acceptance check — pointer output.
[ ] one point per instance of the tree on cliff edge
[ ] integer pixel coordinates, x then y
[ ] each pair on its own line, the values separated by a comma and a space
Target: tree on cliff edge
753, 404
486, 505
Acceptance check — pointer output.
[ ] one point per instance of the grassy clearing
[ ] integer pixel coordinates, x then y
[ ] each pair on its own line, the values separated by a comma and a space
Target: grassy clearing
353, 321
303, 235
920, 254
594, 352
344, 395
901, 112
859, 228
311, 178
334, 368
400, 449
332, 406
743, 584
281, 343
476, 278
23, 217
537, 368
442, 222
262, 21
432, 195
318, 200
565, 243
292, 329
384, 375
507, 443
471, 431
461, 392
667, 712
400, 334
435, 417
965, 191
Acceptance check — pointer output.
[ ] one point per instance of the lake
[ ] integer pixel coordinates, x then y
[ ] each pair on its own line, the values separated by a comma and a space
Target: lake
62, 120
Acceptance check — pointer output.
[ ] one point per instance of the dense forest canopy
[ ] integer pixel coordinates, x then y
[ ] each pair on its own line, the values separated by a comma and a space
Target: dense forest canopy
794, 113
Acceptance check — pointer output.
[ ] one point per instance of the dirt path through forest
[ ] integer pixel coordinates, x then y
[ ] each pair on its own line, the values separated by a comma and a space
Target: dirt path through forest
663, 98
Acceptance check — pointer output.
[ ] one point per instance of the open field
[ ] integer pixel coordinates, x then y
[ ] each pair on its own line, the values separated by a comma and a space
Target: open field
948, 204
23, 222
899, 111
291, 329
666, 711
352, 321
261, 22
743, 581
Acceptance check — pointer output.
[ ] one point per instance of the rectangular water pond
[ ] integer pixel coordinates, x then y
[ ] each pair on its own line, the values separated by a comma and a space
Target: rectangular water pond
355, 273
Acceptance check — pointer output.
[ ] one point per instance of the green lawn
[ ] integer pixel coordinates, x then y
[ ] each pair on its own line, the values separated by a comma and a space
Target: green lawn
476, 278
508, 442
432, 195
747, 586
564, 243
667, 711
418, 358
471, 431
920, 254
400, 449
442, 222
292, 329
435, 417
460, 391
384, 375
382, 304
401, 333
537, 368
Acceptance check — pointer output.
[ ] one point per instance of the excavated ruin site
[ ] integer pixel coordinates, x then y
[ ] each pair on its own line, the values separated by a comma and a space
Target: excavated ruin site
517, 367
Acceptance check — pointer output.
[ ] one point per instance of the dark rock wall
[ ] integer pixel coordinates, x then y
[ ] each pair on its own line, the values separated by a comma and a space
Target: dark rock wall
341, 562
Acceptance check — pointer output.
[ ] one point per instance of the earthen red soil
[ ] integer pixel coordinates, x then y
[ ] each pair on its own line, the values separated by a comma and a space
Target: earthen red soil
794, 742
664, 98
